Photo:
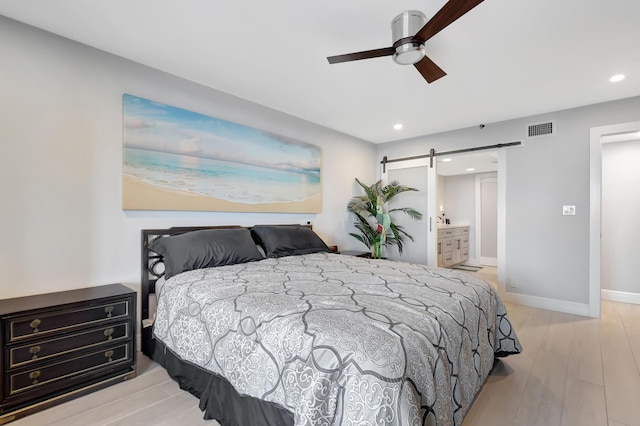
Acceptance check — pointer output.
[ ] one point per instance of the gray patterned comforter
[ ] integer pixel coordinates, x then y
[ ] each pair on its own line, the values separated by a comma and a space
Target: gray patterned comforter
341, 340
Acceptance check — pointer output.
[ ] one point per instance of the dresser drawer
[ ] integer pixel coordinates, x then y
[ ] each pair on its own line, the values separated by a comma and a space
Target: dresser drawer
464, 242
461, 231
60, 373
445, 232
447, 258
447, 245
35, 326
41, 350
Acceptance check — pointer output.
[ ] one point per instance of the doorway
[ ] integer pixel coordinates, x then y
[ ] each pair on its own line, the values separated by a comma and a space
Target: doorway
433, 191
620, 212
468, 196
600, 135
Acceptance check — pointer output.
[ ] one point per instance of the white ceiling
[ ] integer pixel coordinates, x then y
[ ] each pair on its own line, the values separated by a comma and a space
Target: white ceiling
505, 58
459, 164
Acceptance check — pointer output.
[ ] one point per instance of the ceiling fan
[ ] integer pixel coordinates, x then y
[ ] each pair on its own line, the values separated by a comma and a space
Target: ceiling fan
410, 30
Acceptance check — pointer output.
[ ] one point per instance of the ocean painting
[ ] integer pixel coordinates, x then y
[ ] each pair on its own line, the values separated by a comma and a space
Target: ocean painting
176, 159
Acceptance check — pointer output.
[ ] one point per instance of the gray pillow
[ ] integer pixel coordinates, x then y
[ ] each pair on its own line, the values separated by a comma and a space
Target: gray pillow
205, 248
288, 240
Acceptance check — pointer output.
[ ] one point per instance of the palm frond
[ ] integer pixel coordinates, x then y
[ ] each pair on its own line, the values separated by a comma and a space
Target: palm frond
360, 238
412, 213
394, 188
399, 234
372, 191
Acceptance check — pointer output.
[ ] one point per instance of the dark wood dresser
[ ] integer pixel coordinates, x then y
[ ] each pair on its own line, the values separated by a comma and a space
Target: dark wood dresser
59, 346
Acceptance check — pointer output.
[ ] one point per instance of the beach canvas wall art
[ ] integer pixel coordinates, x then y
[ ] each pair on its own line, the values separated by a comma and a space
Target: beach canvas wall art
176, 159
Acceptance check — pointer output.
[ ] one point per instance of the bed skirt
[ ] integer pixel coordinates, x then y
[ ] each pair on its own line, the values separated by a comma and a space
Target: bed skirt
218, 399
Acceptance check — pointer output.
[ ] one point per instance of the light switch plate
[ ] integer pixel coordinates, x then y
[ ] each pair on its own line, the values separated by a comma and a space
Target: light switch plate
568, 210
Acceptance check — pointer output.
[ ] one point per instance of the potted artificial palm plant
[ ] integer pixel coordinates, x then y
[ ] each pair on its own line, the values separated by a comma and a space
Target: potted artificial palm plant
373, 218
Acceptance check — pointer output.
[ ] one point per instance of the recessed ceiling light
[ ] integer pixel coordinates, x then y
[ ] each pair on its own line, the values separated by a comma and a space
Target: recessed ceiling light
471, 169
446, 160
397, 126
616, 78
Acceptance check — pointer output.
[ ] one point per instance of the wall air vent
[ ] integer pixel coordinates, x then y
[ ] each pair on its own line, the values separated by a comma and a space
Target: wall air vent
541, 129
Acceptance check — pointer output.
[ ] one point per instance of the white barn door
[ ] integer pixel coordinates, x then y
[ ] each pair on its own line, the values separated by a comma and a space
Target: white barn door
419, 175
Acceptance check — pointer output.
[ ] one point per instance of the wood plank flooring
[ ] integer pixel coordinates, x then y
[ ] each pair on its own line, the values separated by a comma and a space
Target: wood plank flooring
152, 398
574, 371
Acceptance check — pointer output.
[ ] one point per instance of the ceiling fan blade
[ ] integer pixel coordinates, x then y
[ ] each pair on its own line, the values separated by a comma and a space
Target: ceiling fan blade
429, 70
451, 11
367, 54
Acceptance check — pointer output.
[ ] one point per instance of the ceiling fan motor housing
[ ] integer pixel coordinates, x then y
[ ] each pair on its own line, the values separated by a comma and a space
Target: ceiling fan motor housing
403, 28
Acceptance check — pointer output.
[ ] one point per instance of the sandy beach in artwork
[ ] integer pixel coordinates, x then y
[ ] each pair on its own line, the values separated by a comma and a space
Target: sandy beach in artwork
139, 195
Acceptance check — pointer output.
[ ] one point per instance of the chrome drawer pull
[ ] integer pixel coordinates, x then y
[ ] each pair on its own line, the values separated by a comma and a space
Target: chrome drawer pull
34, 324
108, 332
108, 354
34, 351
34, 377
108, 311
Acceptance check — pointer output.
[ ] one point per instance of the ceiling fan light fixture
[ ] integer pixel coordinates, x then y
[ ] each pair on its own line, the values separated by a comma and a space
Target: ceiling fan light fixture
403, 28
410, 30
409, 53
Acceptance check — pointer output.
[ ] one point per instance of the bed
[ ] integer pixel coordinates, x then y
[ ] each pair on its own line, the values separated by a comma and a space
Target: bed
267, 326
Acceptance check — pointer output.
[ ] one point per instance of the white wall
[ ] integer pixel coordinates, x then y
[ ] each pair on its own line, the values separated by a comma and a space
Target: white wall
620, 216
547, 253
62, 221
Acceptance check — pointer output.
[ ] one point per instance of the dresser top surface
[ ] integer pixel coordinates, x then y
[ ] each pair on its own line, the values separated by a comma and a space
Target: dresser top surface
40, 301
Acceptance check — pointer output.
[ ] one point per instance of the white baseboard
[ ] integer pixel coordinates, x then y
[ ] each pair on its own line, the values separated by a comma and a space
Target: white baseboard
483, 261
620, 296
489, 261
549, 304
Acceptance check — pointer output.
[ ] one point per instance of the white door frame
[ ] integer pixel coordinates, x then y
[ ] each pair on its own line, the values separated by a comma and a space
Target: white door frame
595, 208
502, 221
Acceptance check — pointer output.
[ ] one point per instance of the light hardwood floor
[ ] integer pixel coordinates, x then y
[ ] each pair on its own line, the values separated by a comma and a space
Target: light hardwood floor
574, 371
